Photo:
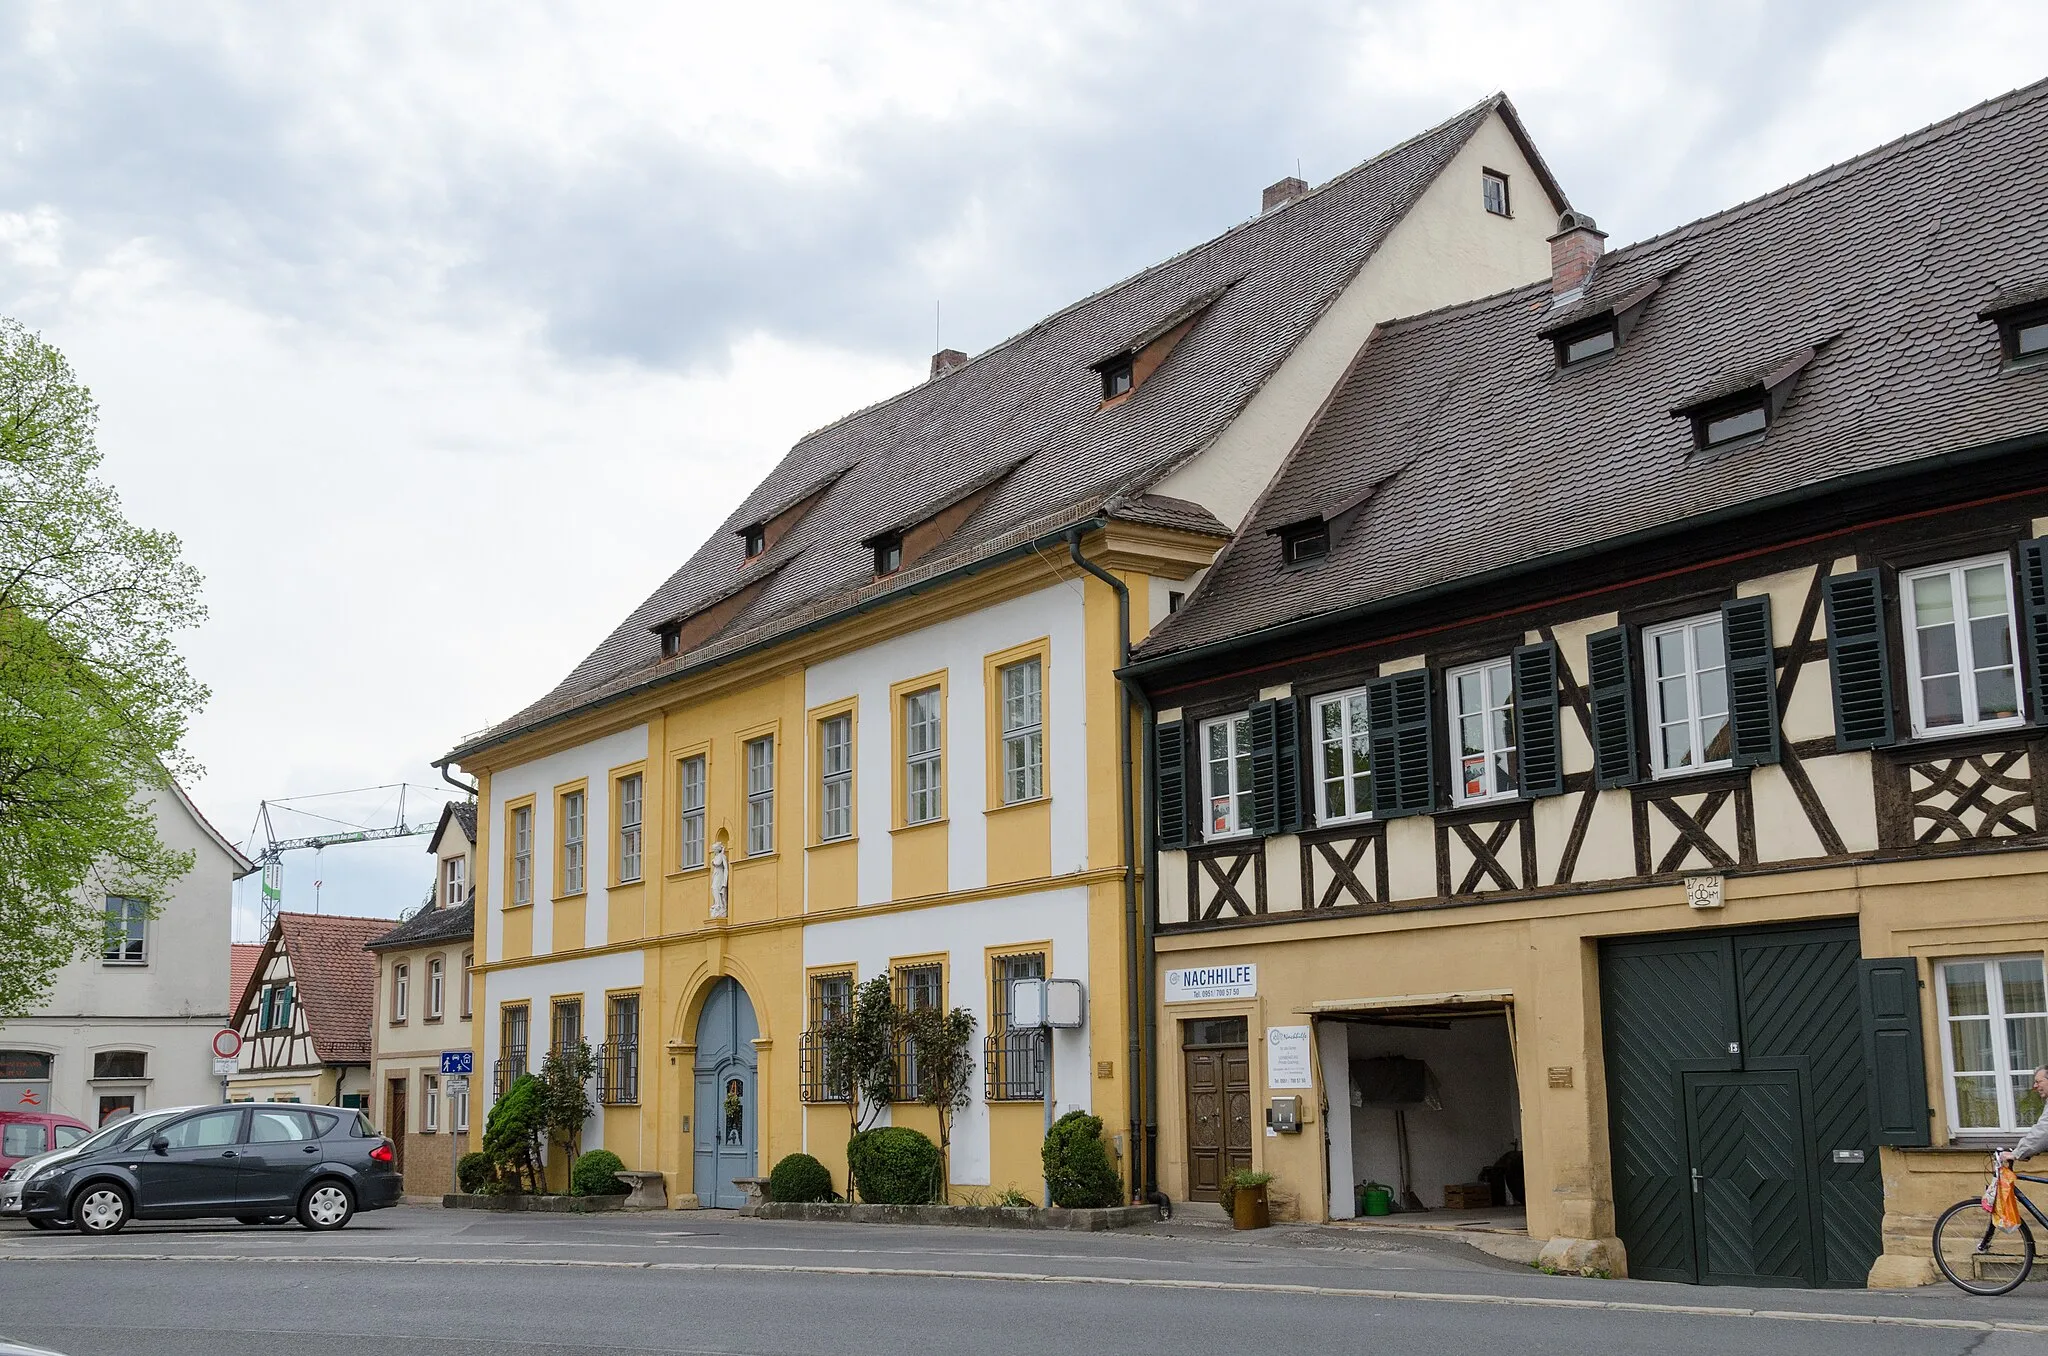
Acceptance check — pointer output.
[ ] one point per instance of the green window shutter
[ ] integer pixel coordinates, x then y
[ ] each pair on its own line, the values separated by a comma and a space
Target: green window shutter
1859, 658
1752, 681
1895, 1067
1294, 795
1170, 784
1538, 748
1400, 712
1611, 693
2034, 621
1265, 788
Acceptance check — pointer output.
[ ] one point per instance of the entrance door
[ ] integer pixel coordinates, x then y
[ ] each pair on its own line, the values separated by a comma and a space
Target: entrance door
1219, 1103
1746, 1134
727, 1115
394, 1121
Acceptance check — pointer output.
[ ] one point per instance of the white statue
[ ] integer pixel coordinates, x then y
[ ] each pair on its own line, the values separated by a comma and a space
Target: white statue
719, 872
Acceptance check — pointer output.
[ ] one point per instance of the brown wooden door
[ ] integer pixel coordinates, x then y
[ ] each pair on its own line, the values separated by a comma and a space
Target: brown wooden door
394, 1121
1219, 1111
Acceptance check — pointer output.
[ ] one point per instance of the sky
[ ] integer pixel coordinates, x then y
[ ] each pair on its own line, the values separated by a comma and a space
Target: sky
441, 334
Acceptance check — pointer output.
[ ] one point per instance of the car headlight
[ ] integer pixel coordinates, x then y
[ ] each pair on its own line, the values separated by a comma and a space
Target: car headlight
44, 1178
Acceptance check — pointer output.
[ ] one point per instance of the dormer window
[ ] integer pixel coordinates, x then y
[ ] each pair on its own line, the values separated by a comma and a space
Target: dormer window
2021, 314
756, 538
1301, 543
1744, 407
1731, 423
671, 640
1587, 342
888, 554
1116, 378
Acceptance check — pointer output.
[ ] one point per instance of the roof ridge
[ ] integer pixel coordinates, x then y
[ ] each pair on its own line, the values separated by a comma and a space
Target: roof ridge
337, 917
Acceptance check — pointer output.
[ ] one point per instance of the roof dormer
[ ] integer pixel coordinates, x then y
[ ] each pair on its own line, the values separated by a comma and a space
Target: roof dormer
1128, 368
1741, 410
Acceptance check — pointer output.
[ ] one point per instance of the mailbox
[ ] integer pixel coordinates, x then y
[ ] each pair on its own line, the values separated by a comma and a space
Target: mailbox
1283, 1115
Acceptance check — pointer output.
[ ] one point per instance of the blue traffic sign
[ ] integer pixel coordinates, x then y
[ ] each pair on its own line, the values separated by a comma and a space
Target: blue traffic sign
455, 1061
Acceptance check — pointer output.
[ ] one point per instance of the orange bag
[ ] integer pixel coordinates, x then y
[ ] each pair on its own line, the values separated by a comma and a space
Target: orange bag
2005, 1204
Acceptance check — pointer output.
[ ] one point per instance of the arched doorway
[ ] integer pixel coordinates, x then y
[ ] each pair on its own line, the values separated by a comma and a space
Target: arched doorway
727, 1116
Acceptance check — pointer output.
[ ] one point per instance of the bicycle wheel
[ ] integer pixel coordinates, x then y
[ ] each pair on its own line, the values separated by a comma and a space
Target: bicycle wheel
1978, 1256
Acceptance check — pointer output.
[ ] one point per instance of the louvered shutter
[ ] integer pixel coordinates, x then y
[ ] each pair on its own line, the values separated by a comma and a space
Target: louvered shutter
1265, 788
1895, 1067
1400, 712
1611, 694
2034, 621
1539, 751
1170, 784
1287, 746
1752, 681
1859, 658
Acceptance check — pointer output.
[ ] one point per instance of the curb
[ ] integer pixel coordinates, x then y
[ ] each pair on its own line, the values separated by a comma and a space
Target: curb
972, 1216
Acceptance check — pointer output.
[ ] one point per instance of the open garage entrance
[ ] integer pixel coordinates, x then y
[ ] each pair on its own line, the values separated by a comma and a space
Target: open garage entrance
1423, 1101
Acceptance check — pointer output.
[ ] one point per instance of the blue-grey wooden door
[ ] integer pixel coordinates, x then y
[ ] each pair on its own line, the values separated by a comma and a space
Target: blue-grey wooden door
726, 1121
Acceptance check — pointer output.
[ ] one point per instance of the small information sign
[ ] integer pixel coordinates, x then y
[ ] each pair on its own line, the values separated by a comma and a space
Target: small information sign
1210, 982
225, 1068
1287, 1059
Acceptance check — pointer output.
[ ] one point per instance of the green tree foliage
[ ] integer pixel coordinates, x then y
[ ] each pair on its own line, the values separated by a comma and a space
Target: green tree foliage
859, 1050
800, 1179
893, 1165
94, 696
941, 1048
1077, 1166
597, 1174
512, 1134
473, 1171
565, 1076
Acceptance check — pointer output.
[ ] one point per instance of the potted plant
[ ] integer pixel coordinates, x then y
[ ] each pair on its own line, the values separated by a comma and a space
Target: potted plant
1246, 1192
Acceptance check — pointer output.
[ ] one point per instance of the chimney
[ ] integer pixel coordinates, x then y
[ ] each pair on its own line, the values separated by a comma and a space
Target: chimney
1282, 193
1574, 251
945, 360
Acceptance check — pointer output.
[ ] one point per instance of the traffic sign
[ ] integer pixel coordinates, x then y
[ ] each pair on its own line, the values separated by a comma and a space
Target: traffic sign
455, 1061
225, 1068
458, 1083
227, 1043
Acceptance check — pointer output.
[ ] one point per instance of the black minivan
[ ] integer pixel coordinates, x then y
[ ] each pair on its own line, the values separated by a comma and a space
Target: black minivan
250, 1162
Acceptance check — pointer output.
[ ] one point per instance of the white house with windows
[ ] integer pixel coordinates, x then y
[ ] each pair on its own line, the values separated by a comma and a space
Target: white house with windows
132, 1027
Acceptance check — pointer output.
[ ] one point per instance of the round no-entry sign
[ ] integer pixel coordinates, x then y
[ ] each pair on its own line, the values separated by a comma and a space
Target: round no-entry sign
227, 1043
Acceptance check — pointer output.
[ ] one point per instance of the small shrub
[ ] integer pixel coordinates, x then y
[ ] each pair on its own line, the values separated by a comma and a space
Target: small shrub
893, 1165
512, 1134
473, 1172
1077, 1165
800, 1179
1015, 1199
596, 1174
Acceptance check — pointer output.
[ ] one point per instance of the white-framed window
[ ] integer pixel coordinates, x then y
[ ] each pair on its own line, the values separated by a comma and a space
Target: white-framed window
1023, 730
1960, 667
454, 881
468, 964
399, 980
1482, 701
1343, 757
924, 797
1687, 664
437, 988
1994, 1017
760, 795
430, 1102
127, 931
522, 855
462, 1107
629, 828
690, 796
835, 777
1227, 776
572, 843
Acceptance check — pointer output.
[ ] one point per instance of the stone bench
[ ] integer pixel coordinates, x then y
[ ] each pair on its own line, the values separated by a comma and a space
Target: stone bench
757, 1192
648, 1190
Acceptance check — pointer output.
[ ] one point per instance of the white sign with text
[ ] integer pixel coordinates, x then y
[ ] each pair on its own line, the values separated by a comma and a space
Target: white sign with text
1211, 982
1287, 1061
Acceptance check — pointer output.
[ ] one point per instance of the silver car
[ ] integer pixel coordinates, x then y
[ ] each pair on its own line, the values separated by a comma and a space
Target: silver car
115, 1132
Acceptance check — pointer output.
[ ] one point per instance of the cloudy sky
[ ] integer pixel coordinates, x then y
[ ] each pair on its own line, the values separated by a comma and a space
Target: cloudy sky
441, 333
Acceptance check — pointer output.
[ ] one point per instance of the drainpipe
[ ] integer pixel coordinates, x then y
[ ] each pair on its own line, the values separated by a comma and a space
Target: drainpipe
1128, 821
1148, 957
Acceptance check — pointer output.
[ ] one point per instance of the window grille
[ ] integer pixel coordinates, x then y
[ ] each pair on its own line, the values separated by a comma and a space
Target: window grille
566, 1028
618, 1065
831, 1003
919, 988
1013, 1058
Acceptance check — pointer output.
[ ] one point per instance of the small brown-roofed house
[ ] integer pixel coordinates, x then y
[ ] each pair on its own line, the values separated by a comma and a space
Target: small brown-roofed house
305, 1013
242, 957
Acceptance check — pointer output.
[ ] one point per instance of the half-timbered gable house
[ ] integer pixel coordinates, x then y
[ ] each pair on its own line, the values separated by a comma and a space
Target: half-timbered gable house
1617, 743
305, 1013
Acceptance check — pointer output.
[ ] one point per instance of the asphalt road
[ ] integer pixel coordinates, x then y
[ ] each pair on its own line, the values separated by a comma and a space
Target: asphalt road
452, 1281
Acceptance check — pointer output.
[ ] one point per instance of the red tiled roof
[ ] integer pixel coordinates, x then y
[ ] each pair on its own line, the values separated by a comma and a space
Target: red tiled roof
242, 957
336, 980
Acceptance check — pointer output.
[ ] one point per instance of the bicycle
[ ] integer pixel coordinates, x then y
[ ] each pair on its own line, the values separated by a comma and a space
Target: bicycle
1976, 1255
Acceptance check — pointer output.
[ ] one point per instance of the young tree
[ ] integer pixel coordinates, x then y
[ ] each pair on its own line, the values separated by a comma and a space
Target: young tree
942, 1049
565, 1103
94, 697
859, 1050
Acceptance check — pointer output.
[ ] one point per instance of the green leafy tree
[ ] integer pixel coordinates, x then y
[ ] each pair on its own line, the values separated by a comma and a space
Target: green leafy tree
512, 1135
860, 1051
942, 1051
565, 1076
94, 697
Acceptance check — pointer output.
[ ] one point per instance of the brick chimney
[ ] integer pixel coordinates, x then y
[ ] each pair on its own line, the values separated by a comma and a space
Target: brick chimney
945, 360
1282, 193
1574, 251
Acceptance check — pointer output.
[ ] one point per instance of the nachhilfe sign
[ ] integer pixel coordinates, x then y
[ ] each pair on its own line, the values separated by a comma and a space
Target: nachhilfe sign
1212, 982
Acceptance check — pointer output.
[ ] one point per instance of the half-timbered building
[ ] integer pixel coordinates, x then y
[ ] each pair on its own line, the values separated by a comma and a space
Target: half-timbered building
305, 1013
1615, 748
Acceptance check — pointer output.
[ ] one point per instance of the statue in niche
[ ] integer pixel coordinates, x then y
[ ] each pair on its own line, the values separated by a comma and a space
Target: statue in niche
721, 872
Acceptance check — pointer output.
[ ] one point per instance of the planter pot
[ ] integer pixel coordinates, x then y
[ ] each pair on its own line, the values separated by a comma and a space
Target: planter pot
1248, 1208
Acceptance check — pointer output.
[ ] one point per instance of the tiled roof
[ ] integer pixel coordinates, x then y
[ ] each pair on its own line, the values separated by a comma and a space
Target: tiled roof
1483, 456
427, 927
1031, 402
460, 813
242, 957
336, 980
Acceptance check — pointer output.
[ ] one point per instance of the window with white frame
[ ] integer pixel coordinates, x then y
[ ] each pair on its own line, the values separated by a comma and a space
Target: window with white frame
1687, 663
127, 931
690, 796
1227, 775
1994, 1016
522, 855
629, 828
1023, 730
923, 787
1482, 731
437, 987
572, 843
462, 1107
400, 977
835, 777
760, 796
454, 881
430, 1102
468, 964
1960, 668
1343, 757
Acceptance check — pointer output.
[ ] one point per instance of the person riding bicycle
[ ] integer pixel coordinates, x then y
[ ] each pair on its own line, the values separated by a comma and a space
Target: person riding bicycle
2035, 1140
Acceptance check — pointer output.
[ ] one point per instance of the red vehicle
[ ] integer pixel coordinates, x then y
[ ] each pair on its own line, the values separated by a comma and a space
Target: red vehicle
24, 1134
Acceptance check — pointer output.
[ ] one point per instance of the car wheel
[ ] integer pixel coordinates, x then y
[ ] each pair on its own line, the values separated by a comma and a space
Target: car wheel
102, 1208
45, 1224
326, 1205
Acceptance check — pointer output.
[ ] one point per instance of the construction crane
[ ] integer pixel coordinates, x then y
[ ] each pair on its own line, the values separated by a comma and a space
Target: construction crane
270, 857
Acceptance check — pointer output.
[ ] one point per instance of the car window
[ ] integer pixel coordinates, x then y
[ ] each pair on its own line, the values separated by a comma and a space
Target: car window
19, 1139
277, 1127
363, 1128
323, 1124
68, 1135
208, 1130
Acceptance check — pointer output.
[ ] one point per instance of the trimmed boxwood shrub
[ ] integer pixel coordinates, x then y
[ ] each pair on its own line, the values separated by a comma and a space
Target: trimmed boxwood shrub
512, 1134
800, 1179
893, 1165
473, 1172
1077, 1165
596, 1174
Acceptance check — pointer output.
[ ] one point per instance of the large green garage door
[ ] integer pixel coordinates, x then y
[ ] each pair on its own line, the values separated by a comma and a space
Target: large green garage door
1737, 1102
